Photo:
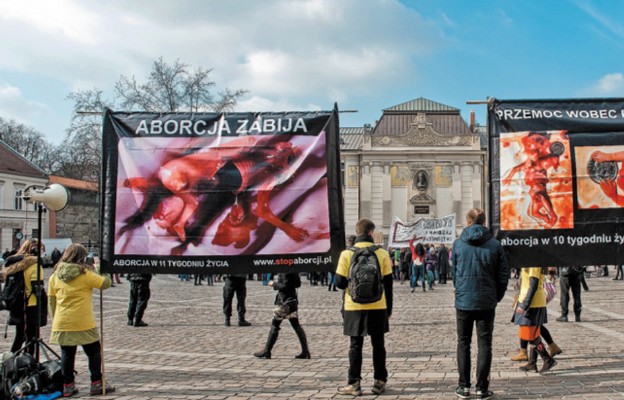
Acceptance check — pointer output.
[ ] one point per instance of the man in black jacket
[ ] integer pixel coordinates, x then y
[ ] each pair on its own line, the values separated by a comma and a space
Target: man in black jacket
570, 278
235, 284
139, 296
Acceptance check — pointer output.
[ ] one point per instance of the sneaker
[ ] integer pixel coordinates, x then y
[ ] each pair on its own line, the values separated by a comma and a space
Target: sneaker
484, 394
140, 323
227, 322
548, 364
352, 389
97, 389
242, 322
577, 318
462, 393
563, 318
379, 386
69, 389
130, 322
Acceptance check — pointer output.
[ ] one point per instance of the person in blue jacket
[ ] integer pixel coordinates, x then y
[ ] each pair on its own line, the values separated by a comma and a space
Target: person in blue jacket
481, 275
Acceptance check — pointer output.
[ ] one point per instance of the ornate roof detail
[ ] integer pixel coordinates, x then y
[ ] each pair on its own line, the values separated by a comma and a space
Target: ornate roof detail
422, 133
422, 104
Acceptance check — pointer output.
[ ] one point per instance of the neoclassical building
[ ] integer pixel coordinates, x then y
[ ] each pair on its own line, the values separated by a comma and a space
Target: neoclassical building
421, 159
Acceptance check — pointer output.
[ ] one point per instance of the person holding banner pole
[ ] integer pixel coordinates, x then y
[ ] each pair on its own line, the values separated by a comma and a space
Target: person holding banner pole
73, 323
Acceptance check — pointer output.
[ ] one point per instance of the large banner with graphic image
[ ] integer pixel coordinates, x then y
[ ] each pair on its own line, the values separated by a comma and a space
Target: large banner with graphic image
232, 193
557, 180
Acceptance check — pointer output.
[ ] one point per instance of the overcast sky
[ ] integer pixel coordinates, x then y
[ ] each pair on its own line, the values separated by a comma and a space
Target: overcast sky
365, 55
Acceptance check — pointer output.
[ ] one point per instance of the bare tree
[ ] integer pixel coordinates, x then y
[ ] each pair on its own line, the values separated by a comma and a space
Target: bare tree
80, 154
25, 140
168, 88
174, 88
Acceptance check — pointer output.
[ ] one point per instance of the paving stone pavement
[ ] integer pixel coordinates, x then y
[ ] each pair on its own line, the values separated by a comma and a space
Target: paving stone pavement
186, 352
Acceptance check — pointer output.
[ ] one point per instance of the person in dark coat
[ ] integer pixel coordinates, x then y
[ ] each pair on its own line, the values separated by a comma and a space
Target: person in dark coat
443, 263
55, 256
235, 284
139, 296
287, 304
481, 275
24, 317
570, 280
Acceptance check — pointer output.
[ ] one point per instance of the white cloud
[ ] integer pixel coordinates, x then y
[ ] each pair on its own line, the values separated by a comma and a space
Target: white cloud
615, 27
305, 42
608, 85
289, 54
13, 105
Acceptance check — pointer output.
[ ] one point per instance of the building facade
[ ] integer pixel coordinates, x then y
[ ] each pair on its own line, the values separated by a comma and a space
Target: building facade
421, 159
18, 218
79, 221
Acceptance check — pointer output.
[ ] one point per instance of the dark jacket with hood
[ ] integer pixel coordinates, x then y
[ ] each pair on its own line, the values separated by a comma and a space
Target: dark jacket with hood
18, 264
480, 270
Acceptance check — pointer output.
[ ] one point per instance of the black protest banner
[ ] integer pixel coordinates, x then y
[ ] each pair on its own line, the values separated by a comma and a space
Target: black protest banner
221, 193
557, 180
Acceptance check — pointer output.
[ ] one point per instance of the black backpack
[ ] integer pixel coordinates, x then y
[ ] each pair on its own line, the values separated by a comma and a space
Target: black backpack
13, 297
365, 281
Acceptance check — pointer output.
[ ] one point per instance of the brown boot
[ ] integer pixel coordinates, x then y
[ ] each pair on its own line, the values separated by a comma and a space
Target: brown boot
553, 349
521, 356
531, 366
549, 362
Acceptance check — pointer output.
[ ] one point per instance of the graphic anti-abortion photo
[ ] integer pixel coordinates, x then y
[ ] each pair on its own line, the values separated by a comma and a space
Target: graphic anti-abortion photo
599, 176
234, 196
536, 181
209, 190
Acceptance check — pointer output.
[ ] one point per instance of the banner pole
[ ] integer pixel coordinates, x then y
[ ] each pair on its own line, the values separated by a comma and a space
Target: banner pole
102, 342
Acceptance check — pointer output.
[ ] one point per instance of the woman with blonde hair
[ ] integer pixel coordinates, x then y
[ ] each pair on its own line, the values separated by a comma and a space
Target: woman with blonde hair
73, 323
24, 312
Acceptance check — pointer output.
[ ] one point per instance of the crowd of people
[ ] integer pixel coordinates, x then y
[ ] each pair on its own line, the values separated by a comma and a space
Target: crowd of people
476, 264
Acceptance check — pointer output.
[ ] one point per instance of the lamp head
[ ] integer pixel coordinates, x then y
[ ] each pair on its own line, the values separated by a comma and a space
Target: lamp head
54, 197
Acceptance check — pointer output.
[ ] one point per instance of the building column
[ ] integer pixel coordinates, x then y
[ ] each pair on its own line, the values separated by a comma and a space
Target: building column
365, 191
377, 193
465, 171
387, 197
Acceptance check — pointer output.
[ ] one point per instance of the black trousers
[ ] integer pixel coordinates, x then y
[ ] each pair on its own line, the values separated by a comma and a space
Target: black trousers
231, 287
379, 358
484, 320
25, 332
139, 296
68, 359
573, 282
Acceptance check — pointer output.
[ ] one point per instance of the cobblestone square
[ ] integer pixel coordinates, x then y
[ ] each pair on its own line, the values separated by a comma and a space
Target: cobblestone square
186, 352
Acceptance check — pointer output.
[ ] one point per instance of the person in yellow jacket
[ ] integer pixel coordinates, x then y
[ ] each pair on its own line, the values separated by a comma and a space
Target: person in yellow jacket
25, 316
530, 314
70, 293
365, 319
